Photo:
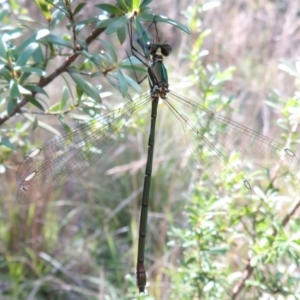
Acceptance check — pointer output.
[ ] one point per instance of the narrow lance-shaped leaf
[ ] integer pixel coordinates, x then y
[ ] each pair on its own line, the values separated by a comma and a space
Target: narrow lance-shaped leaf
129, 4
107, 22
28, 41
64, 124
23, 90
143, 35
44, 8
26, 54
122, 83
36, 89
145, 3
12, 103
133, 83
64, 99
5, 73
111, 9
135, 4
111, 50
3, 47
85, 86
78, 8
35, 123
122, 32
33, 101
115, 26
112, 80
14, 90
51, 38
122, 4
31, 70
55, 108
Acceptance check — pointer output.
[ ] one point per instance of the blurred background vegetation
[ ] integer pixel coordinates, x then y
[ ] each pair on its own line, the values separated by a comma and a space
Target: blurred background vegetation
240, 60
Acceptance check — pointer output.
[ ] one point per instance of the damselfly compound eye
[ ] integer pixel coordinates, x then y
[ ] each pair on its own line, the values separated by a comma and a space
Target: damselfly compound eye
166, 49
149, 46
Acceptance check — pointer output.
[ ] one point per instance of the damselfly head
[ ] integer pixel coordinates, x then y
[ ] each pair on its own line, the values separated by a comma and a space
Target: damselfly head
152, 48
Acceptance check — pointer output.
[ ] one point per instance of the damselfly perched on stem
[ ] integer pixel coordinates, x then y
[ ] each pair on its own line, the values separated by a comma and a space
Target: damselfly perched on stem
66, 157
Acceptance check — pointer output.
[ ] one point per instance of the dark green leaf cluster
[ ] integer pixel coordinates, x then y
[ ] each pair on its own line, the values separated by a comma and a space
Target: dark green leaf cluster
29, 49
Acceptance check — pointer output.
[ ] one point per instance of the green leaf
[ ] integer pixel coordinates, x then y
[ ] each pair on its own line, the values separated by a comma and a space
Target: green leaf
122, 32
12, 103
14, 90
107, 22
31, 70
85, 86
111, 80
129, 4
64, 98
27, 42
123, 5
35, 123
44, 8
115, 26
133, 83
160, 18
33, 101
57, 17
64, 124
114, 10
28, 52
53, 39
5, 73
42, 33
135, 4
6, 142
23, 91
3, 47
38, 56
122, 83
111, 50
78, 8
145, 3
143, 35
55, 108
36, 89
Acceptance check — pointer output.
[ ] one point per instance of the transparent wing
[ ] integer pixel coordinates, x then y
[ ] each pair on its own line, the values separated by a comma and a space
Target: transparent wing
215, 136
65, 157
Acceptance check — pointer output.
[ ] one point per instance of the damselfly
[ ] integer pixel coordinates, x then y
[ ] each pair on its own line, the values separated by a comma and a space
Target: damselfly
64, 158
